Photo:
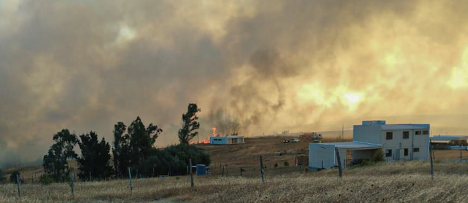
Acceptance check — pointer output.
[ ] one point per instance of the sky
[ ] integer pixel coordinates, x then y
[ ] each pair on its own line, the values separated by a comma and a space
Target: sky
269, 65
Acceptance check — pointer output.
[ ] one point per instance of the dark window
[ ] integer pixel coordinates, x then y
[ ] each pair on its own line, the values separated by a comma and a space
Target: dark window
417, 132
416, 150
426, 132
389, 135
405, 152
388, 153
405, 134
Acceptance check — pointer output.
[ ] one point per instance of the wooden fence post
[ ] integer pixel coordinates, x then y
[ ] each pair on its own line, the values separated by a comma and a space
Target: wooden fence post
461, 155
18, 181
340, 172
130, 178
432, 163
262, 170
241, 170
72, 185
191, 173
222, 171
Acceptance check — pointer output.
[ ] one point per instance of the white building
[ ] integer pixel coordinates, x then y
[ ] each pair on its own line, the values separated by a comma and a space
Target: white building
230, 139
397, 141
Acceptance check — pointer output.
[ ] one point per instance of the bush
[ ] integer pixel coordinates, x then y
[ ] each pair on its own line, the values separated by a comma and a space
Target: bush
172, 160
276, 165
14, 176
1, 176
378, 156
286, 163
45, 179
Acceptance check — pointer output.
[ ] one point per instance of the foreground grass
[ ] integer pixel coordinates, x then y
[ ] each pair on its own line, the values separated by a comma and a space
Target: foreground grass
387, 182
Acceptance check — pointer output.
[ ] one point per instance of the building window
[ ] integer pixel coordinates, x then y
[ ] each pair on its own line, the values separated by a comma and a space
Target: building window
389, 135
416, 150
426, 132
417, 132
405, 134
405, 152
388, 153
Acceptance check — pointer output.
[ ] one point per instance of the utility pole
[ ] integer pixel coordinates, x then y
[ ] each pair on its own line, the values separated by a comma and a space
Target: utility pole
342, 131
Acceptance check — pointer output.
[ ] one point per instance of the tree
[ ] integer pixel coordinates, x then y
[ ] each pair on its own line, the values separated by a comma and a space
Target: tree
94, 160
56, 160
121, 148
172, 160
130, 149
190, 124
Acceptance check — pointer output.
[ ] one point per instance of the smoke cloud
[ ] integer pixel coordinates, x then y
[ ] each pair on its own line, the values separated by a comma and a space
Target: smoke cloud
271, 65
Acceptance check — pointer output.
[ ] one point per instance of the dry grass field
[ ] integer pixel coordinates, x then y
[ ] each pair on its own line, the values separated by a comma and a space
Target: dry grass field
386, 182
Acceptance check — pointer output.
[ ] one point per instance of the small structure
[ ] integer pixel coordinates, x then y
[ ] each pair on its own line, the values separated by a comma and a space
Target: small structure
202, 169
449, 141
397, 141
230, 139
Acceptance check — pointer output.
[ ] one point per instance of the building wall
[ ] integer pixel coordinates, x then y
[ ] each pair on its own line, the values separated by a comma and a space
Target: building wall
320, 152
369, 134
398, 145
218, 140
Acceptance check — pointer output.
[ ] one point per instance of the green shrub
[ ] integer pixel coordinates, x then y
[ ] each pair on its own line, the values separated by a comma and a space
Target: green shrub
286, 163
1, 176
45, 179
14, 175
378, 156
173, 159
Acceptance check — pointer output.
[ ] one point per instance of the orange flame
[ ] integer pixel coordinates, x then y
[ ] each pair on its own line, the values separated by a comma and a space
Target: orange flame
214, 132
206, 141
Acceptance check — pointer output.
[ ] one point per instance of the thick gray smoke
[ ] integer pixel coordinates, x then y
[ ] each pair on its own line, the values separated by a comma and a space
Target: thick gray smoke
270, 65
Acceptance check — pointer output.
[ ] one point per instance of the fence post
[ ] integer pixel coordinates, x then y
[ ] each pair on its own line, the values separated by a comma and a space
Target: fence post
241, 170
461, 151
130, 178
340, 172
262, 170
18, 181
72, 185
432, 163
191, 173
222, 171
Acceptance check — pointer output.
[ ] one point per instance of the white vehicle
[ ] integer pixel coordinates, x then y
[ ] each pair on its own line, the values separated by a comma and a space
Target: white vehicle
294, 140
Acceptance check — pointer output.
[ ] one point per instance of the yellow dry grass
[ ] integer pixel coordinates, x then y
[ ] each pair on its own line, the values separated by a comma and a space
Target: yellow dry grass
386, 182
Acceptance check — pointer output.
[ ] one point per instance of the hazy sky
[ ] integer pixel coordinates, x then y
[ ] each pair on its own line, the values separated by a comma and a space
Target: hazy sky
299, 65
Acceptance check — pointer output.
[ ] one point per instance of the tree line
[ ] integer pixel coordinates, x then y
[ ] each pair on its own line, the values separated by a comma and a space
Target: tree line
133, 148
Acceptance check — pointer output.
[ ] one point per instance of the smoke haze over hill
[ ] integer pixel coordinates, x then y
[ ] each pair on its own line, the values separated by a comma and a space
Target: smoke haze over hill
271, 65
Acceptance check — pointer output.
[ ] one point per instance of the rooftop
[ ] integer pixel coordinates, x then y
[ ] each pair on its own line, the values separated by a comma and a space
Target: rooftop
353, 145
449, 137
405, 127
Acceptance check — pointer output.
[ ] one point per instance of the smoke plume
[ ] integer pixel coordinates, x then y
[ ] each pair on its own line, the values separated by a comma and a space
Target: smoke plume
300, 65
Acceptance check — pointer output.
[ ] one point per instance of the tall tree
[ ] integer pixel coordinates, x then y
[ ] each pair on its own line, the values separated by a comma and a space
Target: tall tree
121, 148
56, 160
190, 124
94, 159
136, 145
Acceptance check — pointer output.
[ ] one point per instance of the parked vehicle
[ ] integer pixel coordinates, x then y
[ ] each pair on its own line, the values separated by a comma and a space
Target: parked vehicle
294, 140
